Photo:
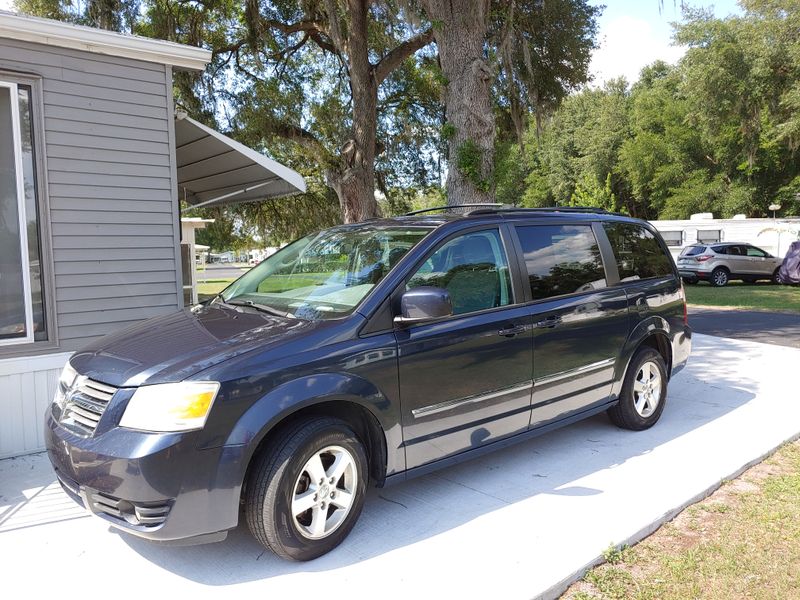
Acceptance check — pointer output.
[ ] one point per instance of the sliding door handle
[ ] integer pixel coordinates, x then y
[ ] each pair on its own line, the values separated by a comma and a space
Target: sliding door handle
548, 323
512, 331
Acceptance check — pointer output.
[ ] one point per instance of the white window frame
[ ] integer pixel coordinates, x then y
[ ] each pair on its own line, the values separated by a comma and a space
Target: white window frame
702, 231
16, 138
666, 241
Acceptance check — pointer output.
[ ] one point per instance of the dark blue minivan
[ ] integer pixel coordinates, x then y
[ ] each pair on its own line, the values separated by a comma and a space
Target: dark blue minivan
367, 353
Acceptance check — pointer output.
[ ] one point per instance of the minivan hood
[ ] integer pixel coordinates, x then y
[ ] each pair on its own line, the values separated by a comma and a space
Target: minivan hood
175, 346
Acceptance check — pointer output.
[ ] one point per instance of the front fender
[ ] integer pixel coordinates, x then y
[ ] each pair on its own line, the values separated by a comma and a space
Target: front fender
292, 396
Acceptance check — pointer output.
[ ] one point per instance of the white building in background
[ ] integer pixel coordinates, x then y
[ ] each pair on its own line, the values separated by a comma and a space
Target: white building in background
772, 235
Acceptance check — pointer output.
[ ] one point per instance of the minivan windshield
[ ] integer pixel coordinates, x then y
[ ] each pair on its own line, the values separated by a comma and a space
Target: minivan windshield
324, 275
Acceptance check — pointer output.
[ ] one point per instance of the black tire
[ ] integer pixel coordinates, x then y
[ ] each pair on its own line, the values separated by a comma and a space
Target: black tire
719, 277
281, 467
690, 280
776, 276
625, 414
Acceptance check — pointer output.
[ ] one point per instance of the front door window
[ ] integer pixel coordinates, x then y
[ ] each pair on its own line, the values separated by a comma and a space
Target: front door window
473, 268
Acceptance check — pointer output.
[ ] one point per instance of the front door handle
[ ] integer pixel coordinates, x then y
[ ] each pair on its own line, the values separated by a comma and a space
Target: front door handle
549, 323
512, 330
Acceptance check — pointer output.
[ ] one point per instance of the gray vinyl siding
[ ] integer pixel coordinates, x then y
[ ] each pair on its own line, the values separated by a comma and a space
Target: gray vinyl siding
112, 204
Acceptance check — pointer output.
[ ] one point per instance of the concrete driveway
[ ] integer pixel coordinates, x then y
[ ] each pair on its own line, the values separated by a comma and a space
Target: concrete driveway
520, 523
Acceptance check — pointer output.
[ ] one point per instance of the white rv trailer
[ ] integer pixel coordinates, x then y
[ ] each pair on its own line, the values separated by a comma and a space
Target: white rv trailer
771, 235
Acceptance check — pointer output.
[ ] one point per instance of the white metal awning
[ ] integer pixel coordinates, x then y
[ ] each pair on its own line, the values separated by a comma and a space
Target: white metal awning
214, 170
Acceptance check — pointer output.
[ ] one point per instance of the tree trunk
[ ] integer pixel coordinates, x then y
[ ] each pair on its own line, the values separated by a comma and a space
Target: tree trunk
354, 184
460, 37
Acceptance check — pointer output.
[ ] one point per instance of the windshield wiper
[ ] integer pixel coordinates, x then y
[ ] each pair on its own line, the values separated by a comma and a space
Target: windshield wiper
257, 306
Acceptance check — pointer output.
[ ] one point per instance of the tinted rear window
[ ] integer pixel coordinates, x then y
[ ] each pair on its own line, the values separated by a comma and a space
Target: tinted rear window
561, 259
638, 253
693, 250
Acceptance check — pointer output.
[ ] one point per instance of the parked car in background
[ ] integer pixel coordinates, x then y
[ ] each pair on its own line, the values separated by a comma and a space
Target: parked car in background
720, 263
370, 352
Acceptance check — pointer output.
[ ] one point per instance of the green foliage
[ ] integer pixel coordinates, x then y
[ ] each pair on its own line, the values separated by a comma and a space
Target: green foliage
716, 133
448, 131
510, 172
615, 555
469, 160
543, 50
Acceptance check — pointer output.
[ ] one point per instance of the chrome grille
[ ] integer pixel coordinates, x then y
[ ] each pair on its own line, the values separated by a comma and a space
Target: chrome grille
86, 402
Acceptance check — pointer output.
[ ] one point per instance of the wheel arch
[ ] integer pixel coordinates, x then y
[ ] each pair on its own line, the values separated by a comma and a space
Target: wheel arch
355, 401
647, 334
364, 424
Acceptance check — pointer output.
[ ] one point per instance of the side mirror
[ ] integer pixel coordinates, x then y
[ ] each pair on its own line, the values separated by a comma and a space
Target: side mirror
424, 304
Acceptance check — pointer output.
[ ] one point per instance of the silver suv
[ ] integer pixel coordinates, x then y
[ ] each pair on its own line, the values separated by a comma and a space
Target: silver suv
719, 263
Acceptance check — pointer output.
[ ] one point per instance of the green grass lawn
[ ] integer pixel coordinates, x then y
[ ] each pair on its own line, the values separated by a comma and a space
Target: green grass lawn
206, 289
759, 296
210, 287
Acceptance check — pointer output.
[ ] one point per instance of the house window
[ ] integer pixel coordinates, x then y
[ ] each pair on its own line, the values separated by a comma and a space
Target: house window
22, 308
709, 236
672, 238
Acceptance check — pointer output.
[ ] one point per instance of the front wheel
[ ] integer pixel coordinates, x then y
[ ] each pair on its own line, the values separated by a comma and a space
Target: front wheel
307, 488
776, 276
644, 392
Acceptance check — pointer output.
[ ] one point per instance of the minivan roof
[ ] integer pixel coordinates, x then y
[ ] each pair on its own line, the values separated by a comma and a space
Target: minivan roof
580, 213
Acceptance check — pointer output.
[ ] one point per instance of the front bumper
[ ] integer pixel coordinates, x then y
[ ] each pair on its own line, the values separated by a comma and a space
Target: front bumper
157, 486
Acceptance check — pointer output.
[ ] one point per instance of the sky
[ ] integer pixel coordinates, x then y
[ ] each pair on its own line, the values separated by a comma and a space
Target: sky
634, 33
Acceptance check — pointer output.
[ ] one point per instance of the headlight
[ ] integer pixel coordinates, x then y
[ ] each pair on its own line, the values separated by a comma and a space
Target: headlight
170, 406
68, 376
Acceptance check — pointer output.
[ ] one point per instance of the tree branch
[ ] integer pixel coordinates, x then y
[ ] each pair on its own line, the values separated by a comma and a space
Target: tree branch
306, 26
304, 137
392, 60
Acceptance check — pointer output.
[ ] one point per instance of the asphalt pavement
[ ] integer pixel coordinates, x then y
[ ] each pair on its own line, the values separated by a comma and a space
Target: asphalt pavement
781, 329
520, 523
222, 271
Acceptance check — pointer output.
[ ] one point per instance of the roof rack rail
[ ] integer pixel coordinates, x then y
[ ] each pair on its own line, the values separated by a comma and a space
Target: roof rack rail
566, 209
495, 205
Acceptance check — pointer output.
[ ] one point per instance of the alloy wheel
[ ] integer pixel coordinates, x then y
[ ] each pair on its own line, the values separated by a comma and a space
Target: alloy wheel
324, 492
647, 389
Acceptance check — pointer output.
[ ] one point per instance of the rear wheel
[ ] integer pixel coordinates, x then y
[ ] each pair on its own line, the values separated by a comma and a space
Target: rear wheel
719, 277
644, 392
307, 488
776, 276
690, 280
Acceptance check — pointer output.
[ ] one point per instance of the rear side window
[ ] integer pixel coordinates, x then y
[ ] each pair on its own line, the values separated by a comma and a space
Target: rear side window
561, 259
693, 250
753, 251
638, 253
